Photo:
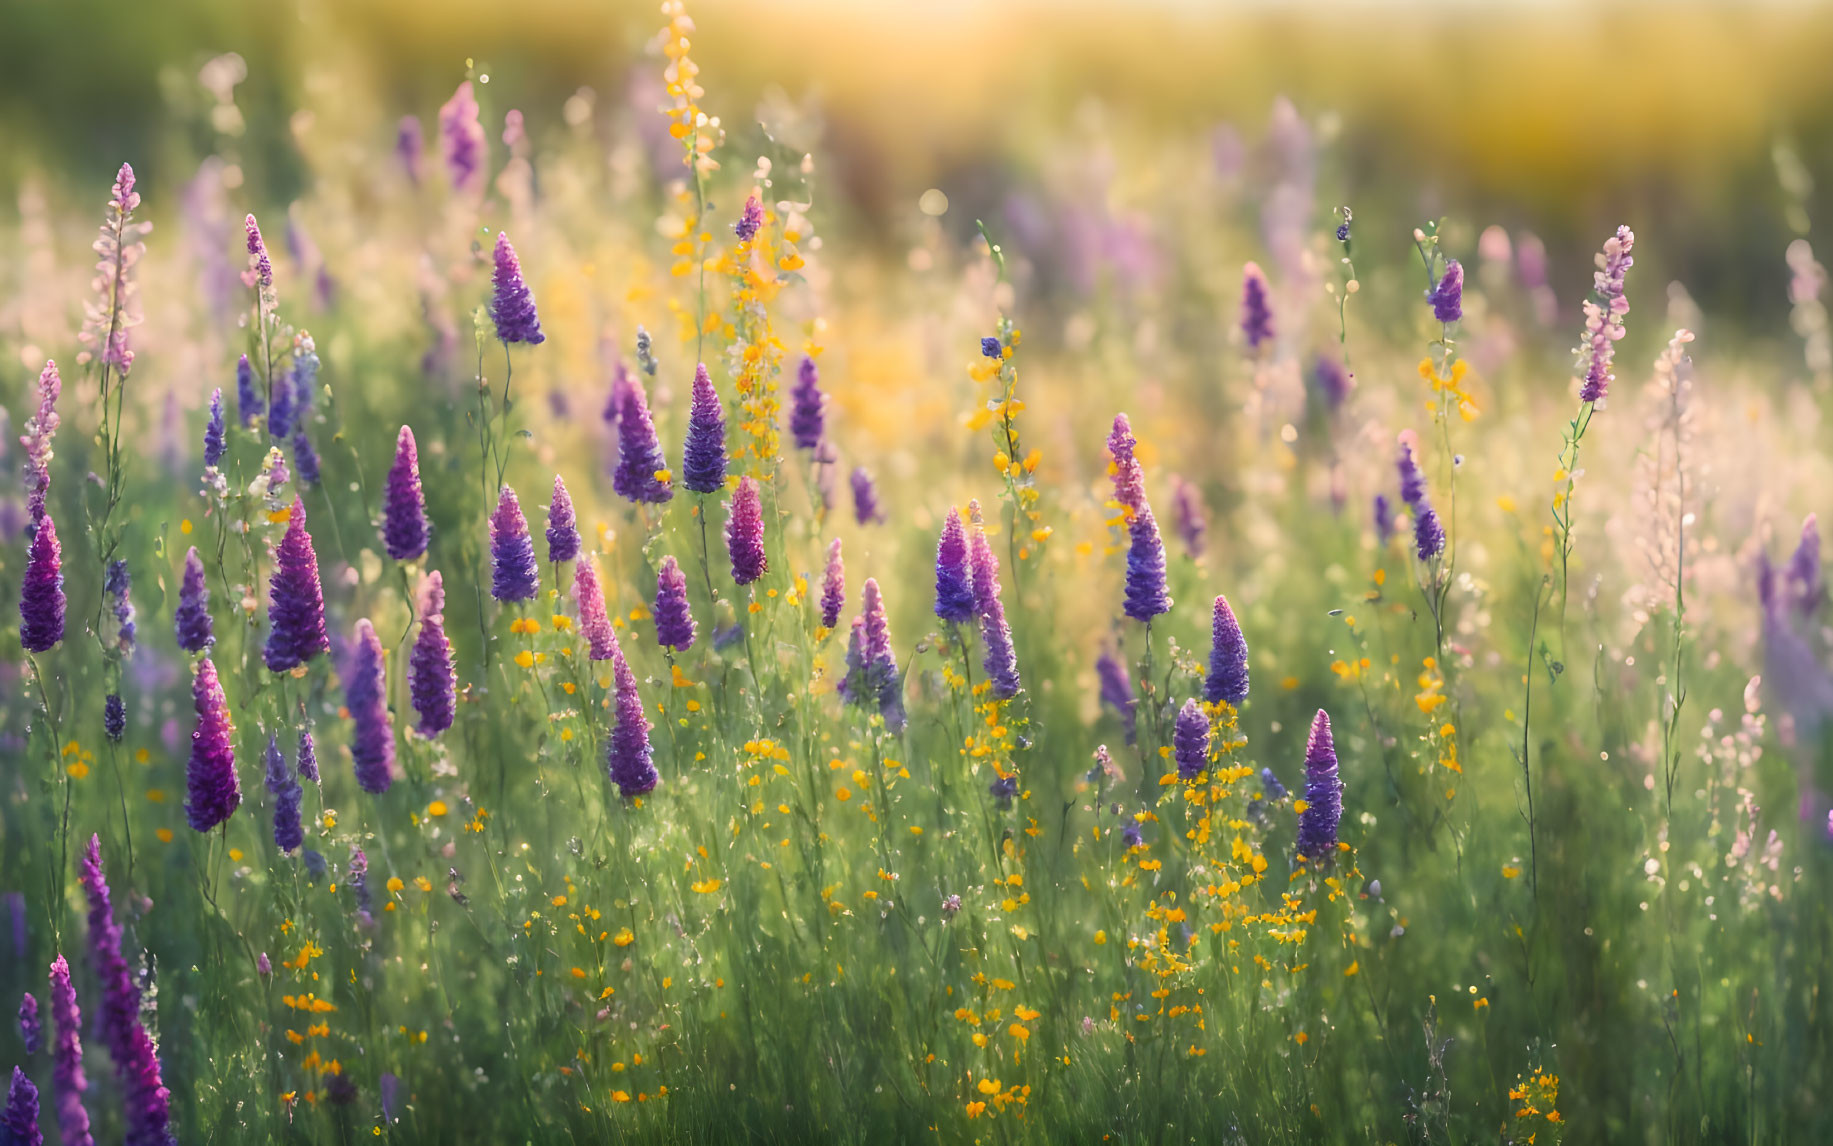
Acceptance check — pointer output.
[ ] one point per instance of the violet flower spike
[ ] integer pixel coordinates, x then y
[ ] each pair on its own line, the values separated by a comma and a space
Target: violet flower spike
31, 1028
881, 680
19, 1119
1604, 313
1190, 741
41, 590
562, 525
642, 470
296, 600
212, 789
745, 533
68, 1081
215, 434
40, 431
432, 675
594, 623
1124, 468
833, 587
512, 306
866, 509
703, 457
249, 403
1256, 309
1117, 692
118, 584
1317, 824
135, 1058
1227, 679
404, 527
463, 143
372, 745
283, 785
1447, 297
750, 220
1804, 577
307, 757
627, 751
674, 617
191, 621
1147, 594
1188, 513
410, 147
808, 406
954, 580
514, 574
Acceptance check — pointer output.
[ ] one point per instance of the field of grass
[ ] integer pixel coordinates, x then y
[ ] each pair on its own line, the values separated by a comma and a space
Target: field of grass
1140, 652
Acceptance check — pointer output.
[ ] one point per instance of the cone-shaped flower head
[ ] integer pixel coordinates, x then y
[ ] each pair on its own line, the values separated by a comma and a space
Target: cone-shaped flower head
745, 533
1117, 691
40, 430
852, 687
1428, 533
1227, 678
511, 305
260, 273
807, 406
833, 586
215, 433
1317, 824
1190, 741
1447, 297
462, 141
627, 755
432, 676
41, 591
750, 219
308, 757
703, 458
1256, 308
31, 1028
296, 601
212, 789
249, 401
404, 528
641, 474
513, 573
1384, 519
882, 682
866, 509
114, 717
283, 785
1123, 467
1146, 594
136, 1061
999, 658
594, 623
1187, 511
68, 1082
954, 580
1604, 313
674, 619
372, 744
282, 414
19, 1120
118, 583
305, 457
562, 525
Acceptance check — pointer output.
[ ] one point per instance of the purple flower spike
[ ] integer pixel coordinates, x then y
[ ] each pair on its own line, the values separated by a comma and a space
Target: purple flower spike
1317, 824
248, 400
67, 1079
833, 587
511, 304
432, 677
1332, 381
372, 745
703, 458
308, 757
462, 141
283, 785
514, 575
808, 406
20, 1118
1227, 678
627, 754
594, 624
1804, 583
212, 790
1384, 520
1187, 511
191, 620
40, 430
1256, 308
1124, 468
954, 580
674, 619
305, 457
745, 533
260, 273
410, 147
642, 471
881, 682
1412, 481
114, 717
866, 509
1190, 741
404, 528
1117, 692
982, 564
296, 600
214, 431
1447, 298
136, 1060
31, 1028
750, 220
118, 583
562, 525
41, 591
1428, 532
1146, 593
1604, 313
999, 658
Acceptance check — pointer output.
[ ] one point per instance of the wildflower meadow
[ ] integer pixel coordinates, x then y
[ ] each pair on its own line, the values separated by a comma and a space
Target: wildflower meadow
553, 633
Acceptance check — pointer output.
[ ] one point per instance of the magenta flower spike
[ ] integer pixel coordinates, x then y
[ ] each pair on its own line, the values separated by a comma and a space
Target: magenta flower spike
594, 623
512, 305
372, 745
745, 533
462, 141
41, 590
627, 752
136, 1061
833, 587
68, 1082
212, 790
296, 601
674, 617
432, 675
562, 525
404, 527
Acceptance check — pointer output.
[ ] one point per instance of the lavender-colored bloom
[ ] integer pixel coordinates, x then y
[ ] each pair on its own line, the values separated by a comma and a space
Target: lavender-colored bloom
212, 790
1133, 835
280, 416
41, 591
1227, 678
1270, 787
305, 457
289, 832
594, 623
410, 146
999, 658
67, 1079
703, 458
512, 307
263, 965
432, 676
1428, 532
1004, 789
991, 347
808, 406
1187, 511
866, 509
1332, 381
1604, 313
639, 452
315, 864
954, 580
852, 686
308, 757
191, 620
1804, 583
19, 1121
1117, 691
1447, 297
750, 220
745, 533
1190, 741
627, 753
880, 679
562, 525
215, 434
31, 1029
833, 586
40, 431
1384, 519
1124, 468
1256, 308
372, 745
248, 400
514, 575
1146, 592
674, 618
260, 273
1317, 824
118, 583
296, 600
114, 717
136, 1060
1412, 480
303, 377
404, 527
462, 141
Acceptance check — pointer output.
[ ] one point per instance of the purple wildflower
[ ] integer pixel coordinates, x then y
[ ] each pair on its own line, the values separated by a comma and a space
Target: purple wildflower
627, 753
305, 457
19, 1121
114, 717
954, 580
308, 757
136, 1059
833, 586
296, 600
641, 474
40, 431
41, 591
1332, 381
1270, 787
866, 509
1187, 512
750, 220
562, 525
359, 884
410, 146
31, 1029
1117, 691
998, 658
248, 400
118, 583
212, 790
808, 406
260, 274
191, 620
703, 457
118, 248
880, 679
1604, 313
432, 677
1227, 678
462, 140
1123, 467
1003, 788
514, 575
289, 832
372, 745
1384, 519
67, 1079
1447, 297
512, 307
745, 533
674, 618
1190, 741
1317, 824
594, 624
404, 527
1256, 308
1804, 583
1428, 533
1133, 834
991, 347
214, 431
1146, 593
